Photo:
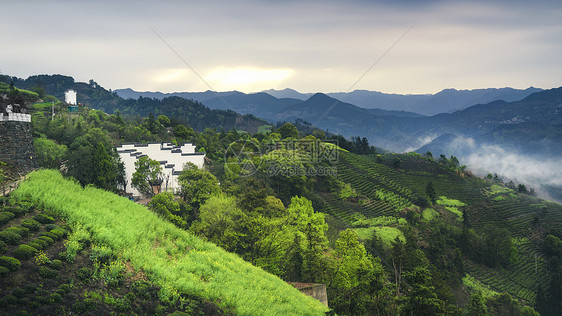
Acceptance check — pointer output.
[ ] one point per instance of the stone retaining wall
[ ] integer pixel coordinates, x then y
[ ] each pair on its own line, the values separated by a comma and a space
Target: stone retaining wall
16, 142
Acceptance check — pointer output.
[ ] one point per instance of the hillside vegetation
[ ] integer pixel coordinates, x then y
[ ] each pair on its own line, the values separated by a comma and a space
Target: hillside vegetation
174, 259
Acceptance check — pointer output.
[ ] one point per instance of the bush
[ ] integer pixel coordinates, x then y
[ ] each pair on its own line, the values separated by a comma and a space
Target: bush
8, 300
59, 233
11, 263
84, 274
86, 305
64, 289
62, 255
38, 244
49, 227
16, 210
55, 297
56, 264
22, 231
2, 246
6, 217
31, 224
19, 293
4, 271
25, 251
47, 273
44, 219
10, 237
49, 240
50, 235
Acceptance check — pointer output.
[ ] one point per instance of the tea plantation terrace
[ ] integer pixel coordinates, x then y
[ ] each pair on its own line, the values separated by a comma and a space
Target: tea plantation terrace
172, 159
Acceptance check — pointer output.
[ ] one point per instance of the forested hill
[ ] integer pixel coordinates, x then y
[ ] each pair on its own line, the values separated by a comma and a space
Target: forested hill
184, 111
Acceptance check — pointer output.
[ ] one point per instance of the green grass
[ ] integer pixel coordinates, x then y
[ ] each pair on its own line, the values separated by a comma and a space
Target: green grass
174, 259
475, 285
498, 189
449, 202
389, 234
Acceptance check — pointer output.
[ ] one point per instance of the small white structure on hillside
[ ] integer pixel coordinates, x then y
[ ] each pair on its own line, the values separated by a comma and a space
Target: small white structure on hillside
172, 159
70, 97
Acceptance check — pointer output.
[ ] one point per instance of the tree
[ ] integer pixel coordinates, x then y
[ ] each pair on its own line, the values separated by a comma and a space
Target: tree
48, 153
147, 172
197, 185
164, 120
430, 192
477, 305
183, 132
93, 160
288, 130
357, 279
165, 205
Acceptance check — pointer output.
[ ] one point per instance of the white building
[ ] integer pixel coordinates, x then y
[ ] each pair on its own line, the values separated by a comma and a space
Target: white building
172, 159
70, 97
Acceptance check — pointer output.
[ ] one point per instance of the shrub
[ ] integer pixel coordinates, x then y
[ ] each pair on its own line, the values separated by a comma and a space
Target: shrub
8, 300
59, 233
19, 293
10, 237
31, 224
47, 273
49, 240
11, 263
56, 264
86, 305
16, 210
84, 274
6, 217
2, 246
25, 251
41, 258
49, 227
22, 231
38, 244
62, 255
4, 271
64, 289
44, 219
50, 235
55, 297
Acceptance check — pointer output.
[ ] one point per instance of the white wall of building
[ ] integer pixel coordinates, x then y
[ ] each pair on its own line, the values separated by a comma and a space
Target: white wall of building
172, 159
70, 97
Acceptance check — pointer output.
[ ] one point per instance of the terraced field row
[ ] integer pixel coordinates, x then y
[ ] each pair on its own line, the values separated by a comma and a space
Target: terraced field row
348, 211
364, 176
410, 185
522, 278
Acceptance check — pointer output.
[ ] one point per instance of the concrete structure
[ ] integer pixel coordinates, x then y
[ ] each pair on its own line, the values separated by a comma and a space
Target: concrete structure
315, 290
172, 159
70, 97
16, 142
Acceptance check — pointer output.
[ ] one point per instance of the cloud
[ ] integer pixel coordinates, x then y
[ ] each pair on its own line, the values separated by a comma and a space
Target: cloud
518, 167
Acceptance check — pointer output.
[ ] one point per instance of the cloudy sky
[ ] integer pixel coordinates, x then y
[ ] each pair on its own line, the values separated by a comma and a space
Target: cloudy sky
310, 46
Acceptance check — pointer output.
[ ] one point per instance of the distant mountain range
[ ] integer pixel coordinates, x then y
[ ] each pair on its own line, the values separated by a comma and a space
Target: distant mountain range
446, 101
521, 124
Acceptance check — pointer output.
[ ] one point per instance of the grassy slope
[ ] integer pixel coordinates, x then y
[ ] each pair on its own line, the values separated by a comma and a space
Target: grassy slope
525, 216
171, 257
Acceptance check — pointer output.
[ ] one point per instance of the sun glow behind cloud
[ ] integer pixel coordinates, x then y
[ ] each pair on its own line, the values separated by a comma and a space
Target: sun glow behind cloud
247, 78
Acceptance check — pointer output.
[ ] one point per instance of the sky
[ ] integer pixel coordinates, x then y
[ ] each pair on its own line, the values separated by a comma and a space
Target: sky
400, 46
